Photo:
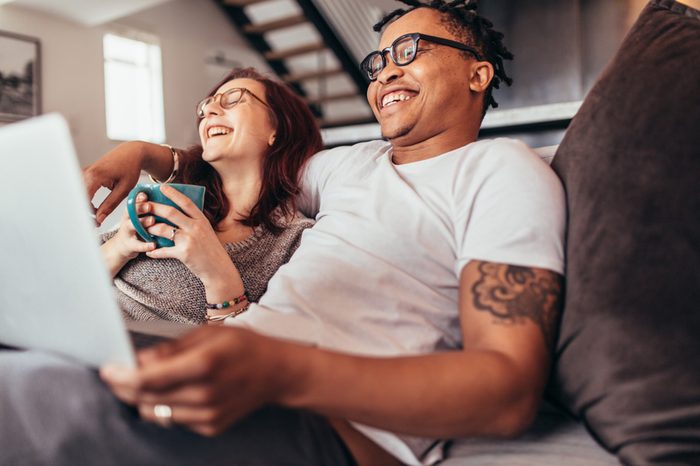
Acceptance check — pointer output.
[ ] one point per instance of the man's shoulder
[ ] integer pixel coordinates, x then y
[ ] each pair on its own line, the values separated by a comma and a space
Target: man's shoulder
505, 165
341, 162
505, 155
502, 148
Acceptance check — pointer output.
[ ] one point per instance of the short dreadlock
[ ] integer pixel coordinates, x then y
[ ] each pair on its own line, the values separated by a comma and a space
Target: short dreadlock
462, 20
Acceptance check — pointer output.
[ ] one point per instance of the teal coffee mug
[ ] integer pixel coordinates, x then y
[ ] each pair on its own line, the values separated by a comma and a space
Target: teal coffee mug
194, 192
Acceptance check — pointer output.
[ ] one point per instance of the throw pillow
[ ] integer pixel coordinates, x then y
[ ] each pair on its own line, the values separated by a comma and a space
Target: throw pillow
628, 354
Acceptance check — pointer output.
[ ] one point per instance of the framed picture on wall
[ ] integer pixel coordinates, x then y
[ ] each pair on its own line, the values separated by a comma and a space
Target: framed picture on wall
20, 86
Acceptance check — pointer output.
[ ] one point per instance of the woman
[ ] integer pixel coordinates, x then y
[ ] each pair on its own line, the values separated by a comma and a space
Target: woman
255, 137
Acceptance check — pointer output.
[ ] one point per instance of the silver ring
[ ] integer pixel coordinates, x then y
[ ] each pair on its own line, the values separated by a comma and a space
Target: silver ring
164, 415
172, 236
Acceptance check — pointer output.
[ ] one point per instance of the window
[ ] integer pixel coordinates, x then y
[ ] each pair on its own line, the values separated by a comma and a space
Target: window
133, 89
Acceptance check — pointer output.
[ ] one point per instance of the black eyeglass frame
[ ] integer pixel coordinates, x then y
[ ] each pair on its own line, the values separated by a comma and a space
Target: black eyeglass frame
415, 36
212, 98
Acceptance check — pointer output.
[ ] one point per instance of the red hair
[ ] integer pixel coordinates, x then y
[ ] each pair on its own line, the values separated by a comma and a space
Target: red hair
297, 138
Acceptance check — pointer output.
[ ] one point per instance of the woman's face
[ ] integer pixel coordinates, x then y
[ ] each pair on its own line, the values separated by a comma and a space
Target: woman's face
241, 133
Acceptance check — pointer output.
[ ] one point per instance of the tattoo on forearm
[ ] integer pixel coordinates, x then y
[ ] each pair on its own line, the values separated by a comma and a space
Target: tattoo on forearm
515, 295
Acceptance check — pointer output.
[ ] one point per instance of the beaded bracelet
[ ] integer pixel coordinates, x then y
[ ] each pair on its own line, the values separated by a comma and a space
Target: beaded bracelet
226, 316
176, 166
225, 304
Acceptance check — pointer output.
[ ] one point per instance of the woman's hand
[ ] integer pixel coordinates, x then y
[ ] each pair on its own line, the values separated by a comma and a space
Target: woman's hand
126, 244
211, 377
119, 171
196, 245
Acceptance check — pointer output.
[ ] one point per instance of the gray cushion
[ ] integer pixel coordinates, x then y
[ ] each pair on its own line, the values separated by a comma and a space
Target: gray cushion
628, 353
553, 440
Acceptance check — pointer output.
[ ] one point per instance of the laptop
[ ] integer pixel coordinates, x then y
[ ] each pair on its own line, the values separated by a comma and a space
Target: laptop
55, 291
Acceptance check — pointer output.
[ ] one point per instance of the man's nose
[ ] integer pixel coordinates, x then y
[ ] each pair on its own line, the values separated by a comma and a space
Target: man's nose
390, 72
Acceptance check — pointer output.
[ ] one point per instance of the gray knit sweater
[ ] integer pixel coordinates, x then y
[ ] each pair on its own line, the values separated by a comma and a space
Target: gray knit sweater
149, 289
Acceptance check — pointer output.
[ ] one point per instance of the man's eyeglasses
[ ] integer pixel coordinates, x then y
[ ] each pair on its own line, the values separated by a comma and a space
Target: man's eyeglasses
227, 100
403, 51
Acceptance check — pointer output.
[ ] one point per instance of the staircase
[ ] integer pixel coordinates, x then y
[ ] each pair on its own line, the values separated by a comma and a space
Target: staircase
302, 48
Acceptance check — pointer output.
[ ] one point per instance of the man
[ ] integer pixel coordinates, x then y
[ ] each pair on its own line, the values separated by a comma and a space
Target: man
422, 305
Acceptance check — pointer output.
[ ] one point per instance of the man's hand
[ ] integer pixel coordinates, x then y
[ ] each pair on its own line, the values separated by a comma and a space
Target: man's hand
210, 378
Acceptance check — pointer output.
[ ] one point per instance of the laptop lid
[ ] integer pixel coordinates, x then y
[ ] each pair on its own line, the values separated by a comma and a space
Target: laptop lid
55, 292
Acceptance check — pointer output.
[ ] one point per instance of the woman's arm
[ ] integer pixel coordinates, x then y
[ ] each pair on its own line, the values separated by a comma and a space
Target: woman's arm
119, 170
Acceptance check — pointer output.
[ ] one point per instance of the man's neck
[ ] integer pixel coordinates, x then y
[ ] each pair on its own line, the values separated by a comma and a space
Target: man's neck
404, 152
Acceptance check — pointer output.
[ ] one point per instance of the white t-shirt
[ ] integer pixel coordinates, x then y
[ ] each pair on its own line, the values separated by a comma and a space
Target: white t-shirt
379, 272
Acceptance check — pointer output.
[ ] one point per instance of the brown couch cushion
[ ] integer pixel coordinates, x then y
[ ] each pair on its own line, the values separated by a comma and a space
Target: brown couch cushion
628, 355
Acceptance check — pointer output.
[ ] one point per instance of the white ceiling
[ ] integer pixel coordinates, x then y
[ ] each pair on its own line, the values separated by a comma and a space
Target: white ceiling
87, 12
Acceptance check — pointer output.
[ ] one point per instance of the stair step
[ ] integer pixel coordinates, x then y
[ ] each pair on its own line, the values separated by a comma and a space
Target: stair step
282, 54
331, 97
261, 28
309, 75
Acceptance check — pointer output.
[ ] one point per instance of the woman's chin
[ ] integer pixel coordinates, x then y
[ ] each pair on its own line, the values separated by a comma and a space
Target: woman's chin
210, 156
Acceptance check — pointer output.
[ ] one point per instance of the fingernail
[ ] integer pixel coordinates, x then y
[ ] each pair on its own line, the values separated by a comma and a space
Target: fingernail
141, 197
100, 218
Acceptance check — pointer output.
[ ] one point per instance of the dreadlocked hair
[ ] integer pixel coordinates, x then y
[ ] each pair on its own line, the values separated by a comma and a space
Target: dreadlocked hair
462, 19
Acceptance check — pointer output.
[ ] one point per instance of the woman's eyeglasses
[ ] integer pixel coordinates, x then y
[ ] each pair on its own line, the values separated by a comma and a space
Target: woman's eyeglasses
227, 99
403, 51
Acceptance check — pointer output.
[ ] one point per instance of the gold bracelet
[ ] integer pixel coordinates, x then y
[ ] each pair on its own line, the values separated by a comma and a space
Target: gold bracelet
176, 166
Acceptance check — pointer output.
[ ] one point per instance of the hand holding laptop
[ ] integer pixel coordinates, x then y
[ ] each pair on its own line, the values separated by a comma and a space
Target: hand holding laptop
209, 378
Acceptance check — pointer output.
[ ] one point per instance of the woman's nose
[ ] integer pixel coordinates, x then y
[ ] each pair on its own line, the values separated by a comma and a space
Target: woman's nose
213, 107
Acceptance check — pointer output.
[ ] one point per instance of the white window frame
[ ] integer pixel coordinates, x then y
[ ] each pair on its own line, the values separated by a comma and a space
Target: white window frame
134, 107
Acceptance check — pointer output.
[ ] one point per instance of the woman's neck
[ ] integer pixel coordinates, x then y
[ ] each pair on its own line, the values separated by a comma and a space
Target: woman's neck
241, 186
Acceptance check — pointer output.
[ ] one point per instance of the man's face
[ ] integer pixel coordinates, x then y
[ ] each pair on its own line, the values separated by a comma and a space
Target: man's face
431, 95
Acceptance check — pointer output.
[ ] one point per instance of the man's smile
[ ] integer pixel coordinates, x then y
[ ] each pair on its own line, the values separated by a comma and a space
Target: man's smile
393, 95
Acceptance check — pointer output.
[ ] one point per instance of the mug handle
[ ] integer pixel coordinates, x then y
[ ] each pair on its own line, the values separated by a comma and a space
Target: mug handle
131, 209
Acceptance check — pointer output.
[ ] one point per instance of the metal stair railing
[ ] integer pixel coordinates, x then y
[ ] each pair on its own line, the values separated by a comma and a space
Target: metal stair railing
254, 34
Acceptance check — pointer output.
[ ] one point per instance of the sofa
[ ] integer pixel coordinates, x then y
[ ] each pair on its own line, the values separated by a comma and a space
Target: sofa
625, 383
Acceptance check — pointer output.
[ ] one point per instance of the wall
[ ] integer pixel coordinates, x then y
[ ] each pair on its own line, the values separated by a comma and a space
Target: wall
561, 47
72, 74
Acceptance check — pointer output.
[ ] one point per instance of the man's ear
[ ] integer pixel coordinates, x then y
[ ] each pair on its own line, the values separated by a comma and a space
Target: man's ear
482, 74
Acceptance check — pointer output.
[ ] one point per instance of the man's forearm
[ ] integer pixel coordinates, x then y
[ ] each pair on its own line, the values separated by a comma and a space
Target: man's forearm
461, 393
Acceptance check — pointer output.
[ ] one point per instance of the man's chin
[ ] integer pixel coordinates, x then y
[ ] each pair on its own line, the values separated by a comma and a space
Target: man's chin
393, 133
